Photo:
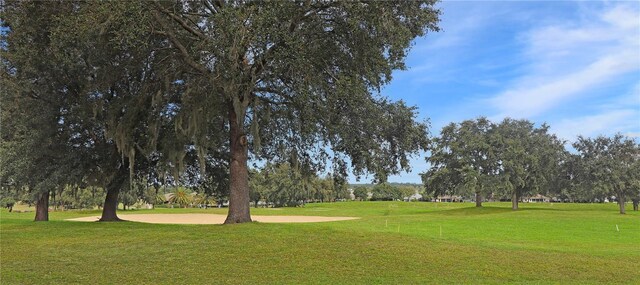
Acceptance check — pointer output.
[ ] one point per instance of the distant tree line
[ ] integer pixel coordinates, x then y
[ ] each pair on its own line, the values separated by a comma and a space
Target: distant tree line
385, 192
284, 184
514, 158
138, 196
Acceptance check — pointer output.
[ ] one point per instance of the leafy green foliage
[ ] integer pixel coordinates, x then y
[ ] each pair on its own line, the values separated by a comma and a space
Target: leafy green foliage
463, 160
513, 158
529, 157
282, 185
361, 193
7, 202
139, 87
385, 192
181, 197
408, 191
204, 200
294, 79
37, 137
610, 166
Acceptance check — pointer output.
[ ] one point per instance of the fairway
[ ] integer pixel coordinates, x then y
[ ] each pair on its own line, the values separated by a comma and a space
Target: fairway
392, 242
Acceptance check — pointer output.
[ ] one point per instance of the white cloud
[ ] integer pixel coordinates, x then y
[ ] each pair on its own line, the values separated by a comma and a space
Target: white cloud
462, 23
604, 123
532, 98
619, 114
568, 60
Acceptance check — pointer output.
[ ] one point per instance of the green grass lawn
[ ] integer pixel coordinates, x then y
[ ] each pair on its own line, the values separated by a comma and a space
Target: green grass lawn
394, 242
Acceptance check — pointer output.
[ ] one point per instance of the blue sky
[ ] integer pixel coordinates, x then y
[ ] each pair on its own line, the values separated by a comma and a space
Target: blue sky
573, 65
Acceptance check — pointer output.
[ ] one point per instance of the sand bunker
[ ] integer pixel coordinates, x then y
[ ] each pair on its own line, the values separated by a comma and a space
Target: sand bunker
207, 219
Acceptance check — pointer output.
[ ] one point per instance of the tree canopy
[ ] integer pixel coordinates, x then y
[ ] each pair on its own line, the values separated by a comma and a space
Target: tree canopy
513, 157
301, 86
463, 160
610, 165
142, 85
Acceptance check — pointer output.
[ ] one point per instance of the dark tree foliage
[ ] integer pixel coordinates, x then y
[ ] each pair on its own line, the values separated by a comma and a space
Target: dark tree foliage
37, 135
610, 165
141, 85
361, 193
281, 184
294, 79
463, 160
528, 158
512, 158
110, 92
385, 192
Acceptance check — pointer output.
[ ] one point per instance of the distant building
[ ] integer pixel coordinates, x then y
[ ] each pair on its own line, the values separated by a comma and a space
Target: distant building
351, 195
414, 197
448, 198
537, 199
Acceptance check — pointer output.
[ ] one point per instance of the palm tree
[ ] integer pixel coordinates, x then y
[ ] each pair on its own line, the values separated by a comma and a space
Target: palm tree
180, 197
204, 199
159, 200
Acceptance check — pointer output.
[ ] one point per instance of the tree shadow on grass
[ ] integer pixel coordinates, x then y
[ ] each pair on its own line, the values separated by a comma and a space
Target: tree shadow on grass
486, 210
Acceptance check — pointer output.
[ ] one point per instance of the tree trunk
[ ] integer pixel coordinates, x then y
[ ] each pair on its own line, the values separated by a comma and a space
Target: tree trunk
238, 173
111, 201
478, 199
110, 205
636, 201
621, 201
42, 208
53, 198
153, 204
514, 200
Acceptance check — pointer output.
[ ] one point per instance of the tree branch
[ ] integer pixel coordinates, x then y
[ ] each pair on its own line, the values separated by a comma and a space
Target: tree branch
259, 64
287, 98
209, 7
180, 21
179, 46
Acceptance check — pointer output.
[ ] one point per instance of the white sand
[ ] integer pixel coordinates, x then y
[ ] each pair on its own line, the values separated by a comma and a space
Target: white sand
207, 219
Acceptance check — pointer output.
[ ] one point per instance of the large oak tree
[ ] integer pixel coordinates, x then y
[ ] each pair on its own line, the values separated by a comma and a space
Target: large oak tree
463, 159
610, 165
297, 79
528, 158
37, 137
104, 101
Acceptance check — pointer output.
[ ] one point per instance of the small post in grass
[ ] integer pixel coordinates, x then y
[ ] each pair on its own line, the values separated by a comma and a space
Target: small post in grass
617, 229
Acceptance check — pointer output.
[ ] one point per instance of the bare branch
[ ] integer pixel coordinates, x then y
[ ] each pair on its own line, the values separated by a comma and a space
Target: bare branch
182, 22
209, 7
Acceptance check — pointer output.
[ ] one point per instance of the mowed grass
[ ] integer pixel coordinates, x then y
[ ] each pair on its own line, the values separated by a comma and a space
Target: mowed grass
392, 243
